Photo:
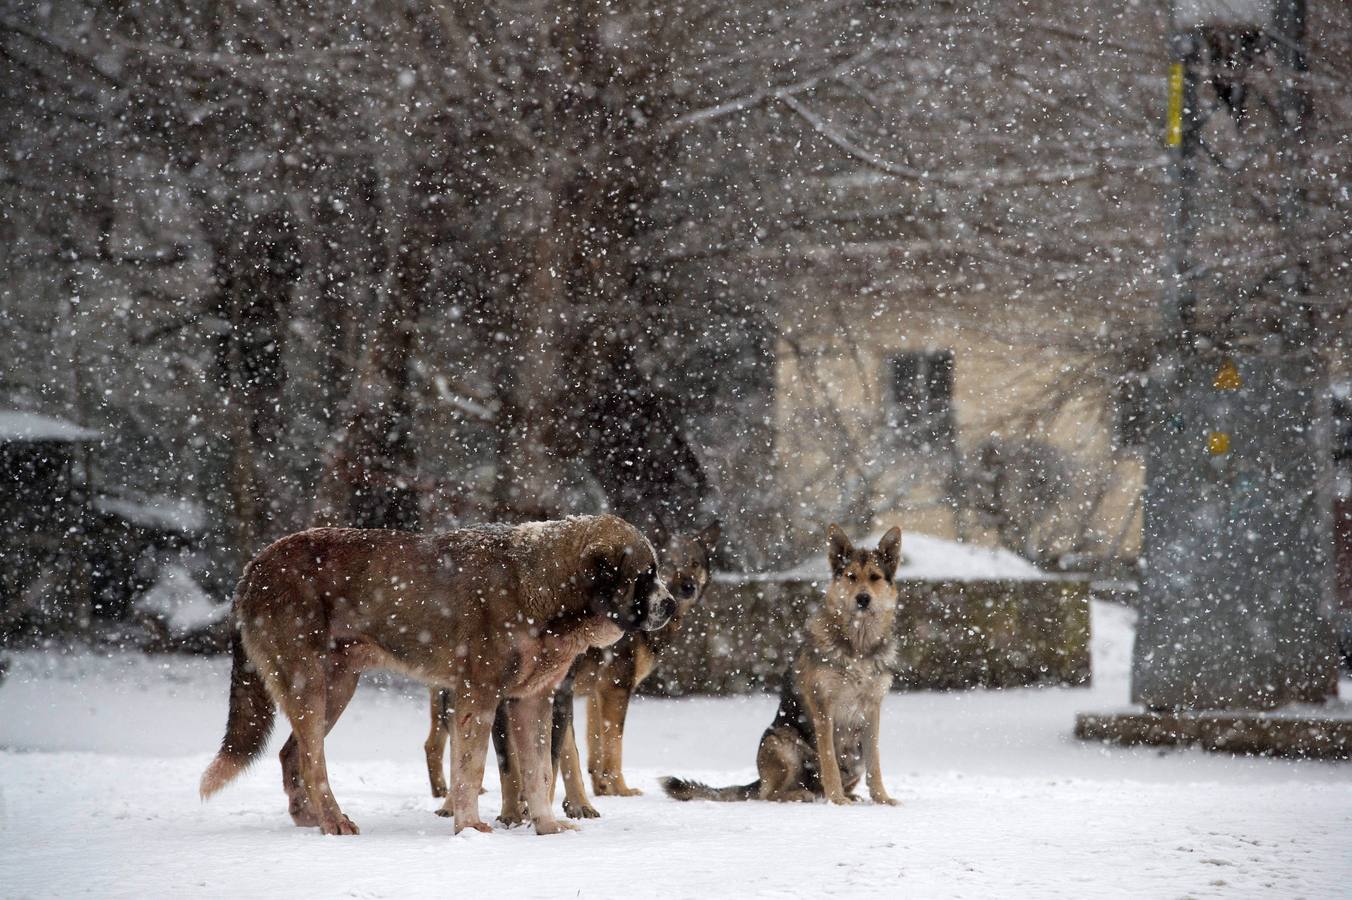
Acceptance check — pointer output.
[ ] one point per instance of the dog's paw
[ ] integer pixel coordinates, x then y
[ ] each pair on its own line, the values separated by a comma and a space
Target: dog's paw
475, 826
884, 800
439, 790
842, 800
445, 813
579, 810
510, 820
554, 826
340, 825
612, 786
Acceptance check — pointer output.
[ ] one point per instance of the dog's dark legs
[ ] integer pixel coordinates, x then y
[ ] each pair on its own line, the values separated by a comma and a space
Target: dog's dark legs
561, 721
508, 775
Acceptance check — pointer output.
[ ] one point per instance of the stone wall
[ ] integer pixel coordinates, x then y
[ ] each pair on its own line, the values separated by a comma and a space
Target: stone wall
951, 635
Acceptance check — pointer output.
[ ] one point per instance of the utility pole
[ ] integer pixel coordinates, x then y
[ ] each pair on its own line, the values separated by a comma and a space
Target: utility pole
1236, 588
1181, 134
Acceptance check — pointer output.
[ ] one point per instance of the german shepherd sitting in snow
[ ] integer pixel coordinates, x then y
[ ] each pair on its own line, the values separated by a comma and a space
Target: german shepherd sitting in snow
608, 678
825, 736
490, 613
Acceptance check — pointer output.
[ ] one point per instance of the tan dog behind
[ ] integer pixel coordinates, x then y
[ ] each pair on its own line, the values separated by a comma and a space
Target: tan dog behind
824, 738
608, 677
491, 613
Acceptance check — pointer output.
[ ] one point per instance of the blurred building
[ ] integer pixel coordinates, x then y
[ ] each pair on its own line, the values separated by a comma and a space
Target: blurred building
72, 552
960, 425
42, 512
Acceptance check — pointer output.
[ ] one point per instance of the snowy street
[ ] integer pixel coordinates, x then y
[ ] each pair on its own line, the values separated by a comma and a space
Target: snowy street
101, 756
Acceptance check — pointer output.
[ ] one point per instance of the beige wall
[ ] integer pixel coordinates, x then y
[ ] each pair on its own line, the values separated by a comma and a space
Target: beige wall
830, 399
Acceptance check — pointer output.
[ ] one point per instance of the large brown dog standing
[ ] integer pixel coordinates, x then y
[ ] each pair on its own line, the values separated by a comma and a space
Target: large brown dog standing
824, 738
490, 613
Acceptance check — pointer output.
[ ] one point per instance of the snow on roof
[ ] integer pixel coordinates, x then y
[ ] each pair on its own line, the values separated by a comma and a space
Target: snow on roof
17, 426
161, 513
925, 557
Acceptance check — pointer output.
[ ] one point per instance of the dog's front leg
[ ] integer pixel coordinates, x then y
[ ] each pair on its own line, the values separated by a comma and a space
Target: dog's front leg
469, 746
614, 711
575, 802
827, 761
528, 720
876, 789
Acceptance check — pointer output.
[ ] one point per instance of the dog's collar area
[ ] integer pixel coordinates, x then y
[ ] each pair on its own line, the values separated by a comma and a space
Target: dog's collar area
839, 652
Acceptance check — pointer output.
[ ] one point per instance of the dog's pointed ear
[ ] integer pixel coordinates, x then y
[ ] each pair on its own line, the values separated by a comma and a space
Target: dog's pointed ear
889, 551
661, 533
838, 548
708, 538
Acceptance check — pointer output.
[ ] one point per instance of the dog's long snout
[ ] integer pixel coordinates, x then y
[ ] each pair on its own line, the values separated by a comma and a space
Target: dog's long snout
658, 610
862, 600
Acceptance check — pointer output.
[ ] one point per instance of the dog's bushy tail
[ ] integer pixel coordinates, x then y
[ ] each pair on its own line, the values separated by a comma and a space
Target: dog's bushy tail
246, 727
680, 789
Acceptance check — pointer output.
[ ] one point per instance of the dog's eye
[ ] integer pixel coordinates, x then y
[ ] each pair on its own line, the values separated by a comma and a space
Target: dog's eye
874, 576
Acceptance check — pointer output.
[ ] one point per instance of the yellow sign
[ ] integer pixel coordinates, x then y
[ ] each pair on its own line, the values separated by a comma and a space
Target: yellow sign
1227, 377
1173, 132
1218, 443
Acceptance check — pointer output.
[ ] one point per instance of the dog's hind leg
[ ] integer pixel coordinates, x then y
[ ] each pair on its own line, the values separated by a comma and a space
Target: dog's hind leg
435, 746
304, 699
779, 761
342, 684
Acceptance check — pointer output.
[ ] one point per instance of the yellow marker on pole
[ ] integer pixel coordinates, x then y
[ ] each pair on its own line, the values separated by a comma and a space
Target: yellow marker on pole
1173, 134
1227, 377
1218, 443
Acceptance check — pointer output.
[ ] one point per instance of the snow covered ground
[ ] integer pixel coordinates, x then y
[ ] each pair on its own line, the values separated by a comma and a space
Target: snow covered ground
99, 761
